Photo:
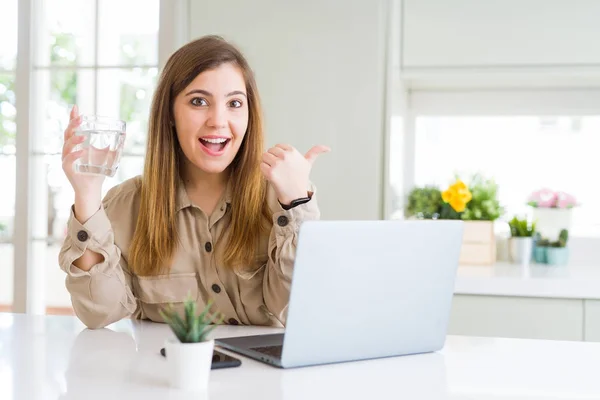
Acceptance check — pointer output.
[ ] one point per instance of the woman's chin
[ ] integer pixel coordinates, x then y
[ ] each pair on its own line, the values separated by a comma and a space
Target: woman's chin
211, 167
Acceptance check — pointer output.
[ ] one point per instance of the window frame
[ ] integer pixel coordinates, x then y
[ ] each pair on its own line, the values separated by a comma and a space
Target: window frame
30, 230
478, 101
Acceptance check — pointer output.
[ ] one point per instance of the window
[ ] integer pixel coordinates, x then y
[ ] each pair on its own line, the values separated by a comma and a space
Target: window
522, 153
103, 56
8, 130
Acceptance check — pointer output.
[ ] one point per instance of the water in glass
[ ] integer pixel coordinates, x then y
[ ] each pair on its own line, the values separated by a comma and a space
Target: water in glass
103, 145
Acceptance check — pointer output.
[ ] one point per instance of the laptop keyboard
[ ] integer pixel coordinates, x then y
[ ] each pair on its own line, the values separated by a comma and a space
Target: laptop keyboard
273, 351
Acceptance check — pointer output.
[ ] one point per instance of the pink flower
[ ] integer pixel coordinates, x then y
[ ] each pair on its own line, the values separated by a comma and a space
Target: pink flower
565, 200
547, 198
542, 198
546, 203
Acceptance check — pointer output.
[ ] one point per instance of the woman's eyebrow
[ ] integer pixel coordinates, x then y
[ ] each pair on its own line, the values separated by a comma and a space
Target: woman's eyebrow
236, 92
209, 94
200, 91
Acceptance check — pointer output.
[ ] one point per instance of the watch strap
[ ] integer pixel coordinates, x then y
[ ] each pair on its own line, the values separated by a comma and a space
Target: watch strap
295, 203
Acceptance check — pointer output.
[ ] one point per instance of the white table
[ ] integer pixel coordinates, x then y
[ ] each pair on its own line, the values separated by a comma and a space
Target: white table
56, 358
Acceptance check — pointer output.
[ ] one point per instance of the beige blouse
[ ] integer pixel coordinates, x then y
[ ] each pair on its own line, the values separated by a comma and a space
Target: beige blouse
109, 291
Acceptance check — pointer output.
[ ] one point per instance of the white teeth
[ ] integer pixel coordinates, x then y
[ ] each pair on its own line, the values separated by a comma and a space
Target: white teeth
217, 141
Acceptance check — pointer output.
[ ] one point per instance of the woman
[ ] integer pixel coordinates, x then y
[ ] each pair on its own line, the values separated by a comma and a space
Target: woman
211, 215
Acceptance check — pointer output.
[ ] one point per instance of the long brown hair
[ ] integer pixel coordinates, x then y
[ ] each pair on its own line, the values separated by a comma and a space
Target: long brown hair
156, 236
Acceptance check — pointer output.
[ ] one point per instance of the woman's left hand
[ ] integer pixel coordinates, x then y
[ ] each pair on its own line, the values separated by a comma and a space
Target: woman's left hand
288, 170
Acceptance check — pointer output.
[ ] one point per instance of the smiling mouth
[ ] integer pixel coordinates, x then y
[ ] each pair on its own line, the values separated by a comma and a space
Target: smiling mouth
214, 146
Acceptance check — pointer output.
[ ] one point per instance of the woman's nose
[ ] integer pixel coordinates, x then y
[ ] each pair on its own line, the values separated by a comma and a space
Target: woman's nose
217, 117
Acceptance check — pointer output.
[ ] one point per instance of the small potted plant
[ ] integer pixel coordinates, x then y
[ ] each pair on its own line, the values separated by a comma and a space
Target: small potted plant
477, 204
540, 246
552, 210
557, 251
484, 204
189, 354
424, 203
521, 241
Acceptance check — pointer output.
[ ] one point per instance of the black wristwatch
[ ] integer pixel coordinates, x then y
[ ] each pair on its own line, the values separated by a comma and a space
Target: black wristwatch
295, 203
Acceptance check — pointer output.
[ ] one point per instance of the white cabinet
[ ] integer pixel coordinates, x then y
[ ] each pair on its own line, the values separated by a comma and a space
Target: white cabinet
520, 317
507, 33
592, 320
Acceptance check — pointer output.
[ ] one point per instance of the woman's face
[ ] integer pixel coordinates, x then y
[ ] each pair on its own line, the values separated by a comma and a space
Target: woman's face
211, 117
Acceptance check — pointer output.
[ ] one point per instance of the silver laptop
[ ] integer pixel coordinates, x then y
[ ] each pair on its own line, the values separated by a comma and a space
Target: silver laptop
363, 290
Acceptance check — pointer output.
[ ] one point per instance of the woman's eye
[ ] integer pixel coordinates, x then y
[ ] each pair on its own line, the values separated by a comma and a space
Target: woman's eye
198, 101
235, 104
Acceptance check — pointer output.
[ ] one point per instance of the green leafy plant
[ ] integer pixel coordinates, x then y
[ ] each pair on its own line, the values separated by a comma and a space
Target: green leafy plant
447, 212
424, 202
521, 227
484, 204
191, 328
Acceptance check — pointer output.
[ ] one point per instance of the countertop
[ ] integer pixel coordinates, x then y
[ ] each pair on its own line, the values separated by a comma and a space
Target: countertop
533, 280
55, 357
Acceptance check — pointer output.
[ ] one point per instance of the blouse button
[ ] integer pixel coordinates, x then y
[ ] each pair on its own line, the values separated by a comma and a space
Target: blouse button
282, 220
82, 236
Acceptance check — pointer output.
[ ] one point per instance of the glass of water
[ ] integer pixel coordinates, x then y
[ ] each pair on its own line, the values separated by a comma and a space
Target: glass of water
103, 145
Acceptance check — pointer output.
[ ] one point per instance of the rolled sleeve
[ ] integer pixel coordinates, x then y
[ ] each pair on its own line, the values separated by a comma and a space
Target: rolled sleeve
103, 294
286, 226
95, 235
287, 222
282, 252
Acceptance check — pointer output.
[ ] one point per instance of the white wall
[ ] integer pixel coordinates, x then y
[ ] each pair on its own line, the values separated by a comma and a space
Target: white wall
511, 44
321, 67
467, 33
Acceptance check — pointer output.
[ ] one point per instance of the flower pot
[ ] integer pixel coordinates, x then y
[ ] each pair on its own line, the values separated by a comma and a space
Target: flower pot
557, 255
478, 244
521, 249
550, 221
540, 254
189, 364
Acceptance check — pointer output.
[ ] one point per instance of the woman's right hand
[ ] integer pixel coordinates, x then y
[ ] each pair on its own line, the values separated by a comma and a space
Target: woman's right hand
88, 188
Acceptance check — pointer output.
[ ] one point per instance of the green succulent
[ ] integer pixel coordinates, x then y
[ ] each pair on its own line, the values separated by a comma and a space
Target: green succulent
563, 238
543, 242
521, 227
191, 328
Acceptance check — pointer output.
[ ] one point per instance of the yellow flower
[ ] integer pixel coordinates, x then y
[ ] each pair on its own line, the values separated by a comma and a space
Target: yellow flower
447, 196
458, 205
457, 195
460, 185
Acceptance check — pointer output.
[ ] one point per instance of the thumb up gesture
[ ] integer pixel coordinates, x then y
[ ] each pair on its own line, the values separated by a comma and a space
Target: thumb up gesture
288, 170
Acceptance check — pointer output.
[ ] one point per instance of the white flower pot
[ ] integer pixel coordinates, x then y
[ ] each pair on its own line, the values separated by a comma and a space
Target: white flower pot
189, 364
521, 249
550, 221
